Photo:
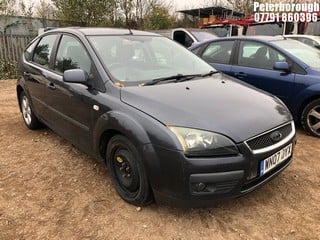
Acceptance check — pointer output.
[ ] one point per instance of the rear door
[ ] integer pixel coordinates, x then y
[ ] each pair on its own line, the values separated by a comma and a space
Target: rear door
219, 55
254, 65
36, 73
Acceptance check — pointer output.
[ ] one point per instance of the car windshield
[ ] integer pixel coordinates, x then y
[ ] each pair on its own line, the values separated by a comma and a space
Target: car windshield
220, 31
303, 52
202, 36
313, 28
133, 60
270, 29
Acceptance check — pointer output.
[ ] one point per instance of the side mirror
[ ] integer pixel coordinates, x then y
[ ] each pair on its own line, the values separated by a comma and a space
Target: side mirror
281, 66
317, 46
75, 76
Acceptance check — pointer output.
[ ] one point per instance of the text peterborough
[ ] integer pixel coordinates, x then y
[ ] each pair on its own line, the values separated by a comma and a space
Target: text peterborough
286, 7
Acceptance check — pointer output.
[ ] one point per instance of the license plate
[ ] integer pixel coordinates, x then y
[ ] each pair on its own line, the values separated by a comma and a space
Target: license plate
274, 160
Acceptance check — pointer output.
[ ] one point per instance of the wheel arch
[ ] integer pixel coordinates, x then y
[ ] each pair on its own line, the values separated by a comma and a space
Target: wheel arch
304, 104
19, 90
113, 123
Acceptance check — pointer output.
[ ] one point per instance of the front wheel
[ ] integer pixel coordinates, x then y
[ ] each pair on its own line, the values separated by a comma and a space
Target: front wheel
127, 171
29, 118
310, 118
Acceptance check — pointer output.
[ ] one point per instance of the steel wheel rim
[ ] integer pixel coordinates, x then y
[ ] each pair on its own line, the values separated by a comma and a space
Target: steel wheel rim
125, 173
313, 120
26, 110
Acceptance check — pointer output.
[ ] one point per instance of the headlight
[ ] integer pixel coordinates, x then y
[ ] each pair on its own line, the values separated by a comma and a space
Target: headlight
203, 143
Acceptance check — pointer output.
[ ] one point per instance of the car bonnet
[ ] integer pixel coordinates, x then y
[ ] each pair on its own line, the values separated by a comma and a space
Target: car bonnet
216, 104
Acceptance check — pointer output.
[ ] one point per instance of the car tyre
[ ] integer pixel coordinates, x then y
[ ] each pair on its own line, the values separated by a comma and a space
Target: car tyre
310, 118
28, 116
127, 171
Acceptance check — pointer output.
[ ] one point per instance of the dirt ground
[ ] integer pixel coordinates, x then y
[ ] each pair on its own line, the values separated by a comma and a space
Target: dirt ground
51, 190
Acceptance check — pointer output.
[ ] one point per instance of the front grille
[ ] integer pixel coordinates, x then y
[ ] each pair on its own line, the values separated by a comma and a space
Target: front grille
265, 140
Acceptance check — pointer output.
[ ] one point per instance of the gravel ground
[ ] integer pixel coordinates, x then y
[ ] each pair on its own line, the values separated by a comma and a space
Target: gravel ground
51, 190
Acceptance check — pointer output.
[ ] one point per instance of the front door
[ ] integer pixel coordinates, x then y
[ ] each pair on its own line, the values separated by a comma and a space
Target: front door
255, 66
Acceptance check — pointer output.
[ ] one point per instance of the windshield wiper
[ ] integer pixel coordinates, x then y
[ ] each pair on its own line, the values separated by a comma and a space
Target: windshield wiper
209, 73
196, 75
178, 78
173, 77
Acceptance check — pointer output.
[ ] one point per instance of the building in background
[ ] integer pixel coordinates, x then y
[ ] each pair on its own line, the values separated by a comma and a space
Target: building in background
17, 25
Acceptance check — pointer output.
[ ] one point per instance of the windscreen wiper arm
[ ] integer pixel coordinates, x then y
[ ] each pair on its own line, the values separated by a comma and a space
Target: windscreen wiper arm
197, 75
177, 78
209, 73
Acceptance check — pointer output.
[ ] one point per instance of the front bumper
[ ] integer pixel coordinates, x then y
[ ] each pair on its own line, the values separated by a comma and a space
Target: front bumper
197, 182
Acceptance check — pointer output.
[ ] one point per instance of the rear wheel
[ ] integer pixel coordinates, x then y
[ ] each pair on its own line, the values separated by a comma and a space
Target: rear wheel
28, 116
127, 171
310, 118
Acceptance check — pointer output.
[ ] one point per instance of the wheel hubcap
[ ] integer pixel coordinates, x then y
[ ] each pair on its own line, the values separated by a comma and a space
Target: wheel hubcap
314, 120
26, 110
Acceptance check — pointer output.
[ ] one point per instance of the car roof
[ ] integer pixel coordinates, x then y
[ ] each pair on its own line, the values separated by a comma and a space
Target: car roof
303, 36
260, 38
88, 31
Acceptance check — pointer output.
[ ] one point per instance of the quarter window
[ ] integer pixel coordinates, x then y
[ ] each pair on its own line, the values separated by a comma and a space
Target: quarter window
42, 52
72, 55
218, 52
29, 50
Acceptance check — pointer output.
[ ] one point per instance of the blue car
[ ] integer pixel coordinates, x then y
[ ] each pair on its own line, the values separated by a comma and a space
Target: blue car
284, 67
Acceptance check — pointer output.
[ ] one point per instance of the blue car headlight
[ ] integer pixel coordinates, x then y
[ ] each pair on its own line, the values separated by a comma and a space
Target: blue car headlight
203, 143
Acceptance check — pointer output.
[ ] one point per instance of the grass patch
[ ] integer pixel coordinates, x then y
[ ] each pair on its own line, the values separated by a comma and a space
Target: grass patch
8, 70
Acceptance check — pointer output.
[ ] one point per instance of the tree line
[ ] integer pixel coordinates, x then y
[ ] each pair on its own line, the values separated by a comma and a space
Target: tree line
138, 14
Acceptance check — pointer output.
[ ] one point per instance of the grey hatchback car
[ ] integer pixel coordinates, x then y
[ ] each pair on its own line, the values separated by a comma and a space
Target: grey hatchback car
168, 126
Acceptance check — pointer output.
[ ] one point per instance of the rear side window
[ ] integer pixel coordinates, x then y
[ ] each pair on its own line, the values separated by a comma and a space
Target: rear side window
218, 52
42, 52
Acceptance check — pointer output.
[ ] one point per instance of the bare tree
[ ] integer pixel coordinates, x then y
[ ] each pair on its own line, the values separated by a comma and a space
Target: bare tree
243, 6
8, 7
127, 8
24, 9
85, 12
45, 10
135, 12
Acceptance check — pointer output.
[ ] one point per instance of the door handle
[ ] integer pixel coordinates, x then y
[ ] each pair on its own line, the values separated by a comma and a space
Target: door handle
26, 74
51, 86
240, 75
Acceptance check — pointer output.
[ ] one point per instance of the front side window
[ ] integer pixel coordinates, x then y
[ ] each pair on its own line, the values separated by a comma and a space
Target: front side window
218, 52
71, 55
183, 38
42, 52
258, 55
